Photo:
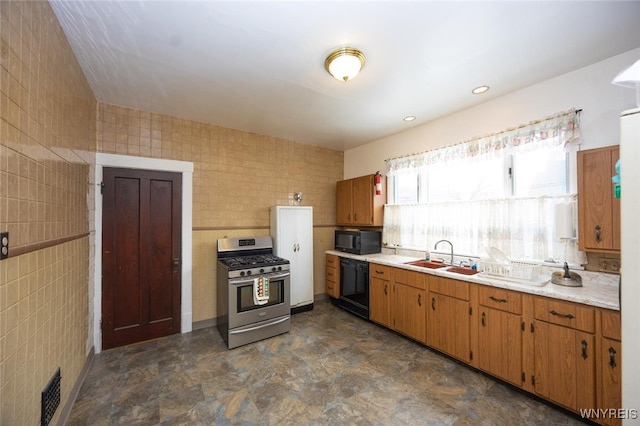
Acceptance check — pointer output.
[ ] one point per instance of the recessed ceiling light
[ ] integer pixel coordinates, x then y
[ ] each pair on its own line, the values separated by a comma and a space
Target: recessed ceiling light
480, 89
409, 118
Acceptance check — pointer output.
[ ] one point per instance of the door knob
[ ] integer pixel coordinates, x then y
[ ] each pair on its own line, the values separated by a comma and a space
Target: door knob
175, 264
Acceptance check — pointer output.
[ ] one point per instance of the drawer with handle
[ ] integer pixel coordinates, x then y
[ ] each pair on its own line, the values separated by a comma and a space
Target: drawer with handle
573, 315
331, 274
501, 299
332, 260
379, 271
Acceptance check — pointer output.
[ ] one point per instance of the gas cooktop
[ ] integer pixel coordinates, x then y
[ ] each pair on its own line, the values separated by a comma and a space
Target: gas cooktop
253, 261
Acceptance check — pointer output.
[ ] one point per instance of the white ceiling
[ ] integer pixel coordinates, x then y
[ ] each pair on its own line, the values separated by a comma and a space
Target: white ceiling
258, 66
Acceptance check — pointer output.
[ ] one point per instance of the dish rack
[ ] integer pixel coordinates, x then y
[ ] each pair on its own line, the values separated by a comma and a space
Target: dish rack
513, 269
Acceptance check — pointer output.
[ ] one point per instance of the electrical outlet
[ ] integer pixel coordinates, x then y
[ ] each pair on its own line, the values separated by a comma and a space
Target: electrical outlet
609, 265
4, 245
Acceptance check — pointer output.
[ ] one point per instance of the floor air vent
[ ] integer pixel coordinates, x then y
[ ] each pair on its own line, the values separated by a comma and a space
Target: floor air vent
50, 399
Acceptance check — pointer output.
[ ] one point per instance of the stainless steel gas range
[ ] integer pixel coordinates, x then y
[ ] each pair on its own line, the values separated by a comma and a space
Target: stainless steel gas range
253, 291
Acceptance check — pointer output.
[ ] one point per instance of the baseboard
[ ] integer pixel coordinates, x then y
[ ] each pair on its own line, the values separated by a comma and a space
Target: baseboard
211, 322
66, 411
303, 308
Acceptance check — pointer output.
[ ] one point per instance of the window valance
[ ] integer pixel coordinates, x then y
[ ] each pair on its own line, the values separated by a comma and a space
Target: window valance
560, 129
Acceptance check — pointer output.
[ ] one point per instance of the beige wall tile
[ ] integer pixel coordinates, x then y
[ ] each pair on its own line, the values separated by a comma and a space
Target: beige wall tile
237, 177
47, 125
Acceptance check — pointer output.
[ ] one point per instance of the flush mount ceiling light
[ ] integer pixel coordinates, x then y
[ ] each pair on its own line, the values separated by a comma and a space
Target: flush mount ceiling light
344, 63
480, 89
409, 118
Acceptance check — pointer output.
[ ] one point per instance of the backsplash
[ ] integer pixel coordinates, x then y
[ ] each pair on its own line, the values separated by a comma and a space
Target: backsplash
595, 263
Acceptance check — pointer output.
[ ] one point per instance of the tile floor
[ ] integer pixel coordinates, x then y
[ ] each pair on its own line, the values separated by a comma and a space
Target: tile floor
332, 368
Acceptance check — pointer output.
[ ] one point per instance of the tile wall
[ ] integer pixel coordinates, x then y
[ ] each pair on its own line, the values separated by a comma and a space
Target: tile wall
47, 145
237, 177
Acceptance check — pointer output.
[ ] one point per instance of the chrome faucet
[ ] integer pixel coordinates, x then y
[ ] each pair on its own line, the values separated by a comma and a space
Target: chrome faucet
445, 241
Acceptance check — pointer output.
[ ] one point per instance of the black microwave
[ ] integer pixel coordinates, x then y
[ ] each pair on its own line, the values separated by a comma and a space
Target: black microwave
358, 242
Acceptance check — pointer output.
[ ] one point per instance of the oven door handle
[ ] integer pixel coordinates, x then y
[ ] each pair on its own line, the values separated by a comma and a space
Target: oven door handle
246, 330
238, 281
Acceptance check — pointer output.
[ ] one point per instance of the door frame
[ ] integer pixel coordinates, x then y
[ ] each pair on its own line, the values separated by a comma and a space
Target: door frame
143, 163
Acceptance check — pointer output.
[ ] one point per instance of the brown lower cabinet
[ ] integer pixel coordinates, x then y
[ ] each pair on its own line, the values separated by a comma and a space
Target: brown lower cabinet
380, 291
565, 366
397, 300
448, 322
501, 331
610, 396
332, 277
566, 352
409, 313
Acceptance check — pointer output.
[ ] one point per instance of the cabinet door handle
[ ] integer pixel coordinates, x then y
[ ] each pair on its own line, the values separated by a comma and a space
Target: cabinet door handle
349, 217
419, 300
385, 289
584, 349
568, 316
598, 229
379, 272
498, 300
355, 217
484, 319
433, 303
612, 358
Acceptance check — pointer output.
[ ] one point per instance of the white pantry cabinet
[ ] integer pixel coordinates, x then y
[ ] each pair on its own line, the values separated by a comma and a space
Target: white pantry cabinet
292, 233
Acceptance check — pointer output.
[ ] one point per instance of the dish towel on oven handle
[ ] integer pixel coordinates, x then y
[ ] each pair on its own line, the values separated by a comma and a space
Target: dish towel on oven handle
261, 290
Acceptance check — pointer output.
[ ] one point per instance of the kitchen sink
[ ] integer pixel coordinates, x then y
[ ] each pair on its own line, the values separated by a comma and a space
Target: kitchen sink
461, 270
426, 264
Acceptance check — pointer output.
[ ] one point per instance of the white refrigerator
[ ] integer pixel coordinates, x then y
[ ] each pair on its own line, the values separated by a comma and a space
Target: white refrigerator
292, 234
629, 255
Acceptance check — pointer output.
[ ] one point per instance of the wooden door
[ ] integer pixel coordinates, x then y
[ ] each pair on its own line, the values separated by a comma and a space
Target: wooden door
344, 195
141, 250
363, 200
500, 344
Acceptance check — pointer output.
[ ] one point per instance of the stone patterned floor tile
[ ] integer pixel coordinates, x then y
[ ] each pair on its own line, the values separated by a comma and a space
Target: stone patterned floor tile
332, 369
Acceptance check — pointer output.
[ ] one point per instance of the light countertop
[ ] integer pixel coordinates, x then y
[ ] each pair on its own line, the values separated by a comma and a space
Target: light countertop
598, 289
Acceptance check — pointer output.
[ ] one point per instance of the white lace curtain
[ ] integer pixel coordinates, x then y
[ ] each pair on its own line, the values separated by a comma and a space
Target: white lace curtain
561, 129
524, 228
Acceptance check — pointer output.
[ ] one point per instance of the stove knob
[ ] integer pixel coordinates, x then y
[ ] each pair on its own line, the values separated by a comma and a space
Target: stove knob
242, 273
279, 268
273, 269
248, 272
261, 270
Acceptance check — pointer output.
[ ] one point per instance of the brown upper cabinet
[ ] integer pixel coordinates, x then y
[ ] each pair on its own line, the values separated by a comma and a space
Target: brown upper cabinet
598, 209
357, 202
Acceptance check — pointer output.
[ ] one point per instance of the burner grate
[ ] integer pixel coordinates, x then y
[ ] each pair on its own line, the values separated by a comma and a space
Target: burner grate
253, 261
